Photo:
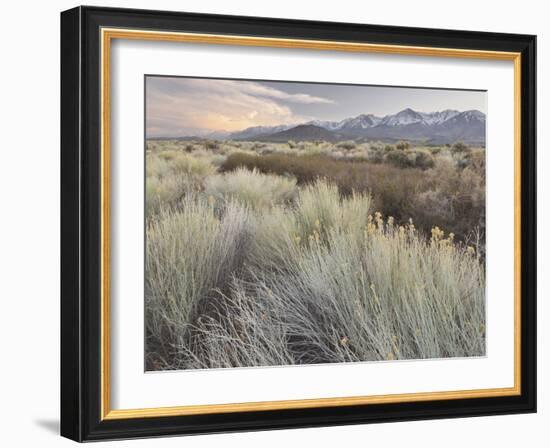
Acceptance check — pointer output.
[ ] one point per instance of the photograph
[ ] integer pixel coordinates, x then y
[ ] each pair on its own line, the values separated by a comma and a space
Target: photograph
300, 223
283, 222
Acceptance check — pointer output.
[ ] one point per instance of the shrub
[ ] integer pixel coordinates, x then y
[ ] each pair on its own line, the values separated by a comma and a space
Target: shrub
401, 192
272, 163
185, 164
251, 188
424, 160
376, 156
375, 147
409, 158
256, 146
191, 255
400, 159
384, 294
267, 150
171, 175
455, 200
402, 146
166, 192
347, 145
459, 147
210, 144
475, 160
277, 259
167, 155
175, 163
320, 208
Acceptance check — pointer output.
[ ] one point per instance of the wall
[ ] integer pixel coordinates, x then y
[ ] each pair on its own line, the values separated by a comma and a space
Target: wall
29, 236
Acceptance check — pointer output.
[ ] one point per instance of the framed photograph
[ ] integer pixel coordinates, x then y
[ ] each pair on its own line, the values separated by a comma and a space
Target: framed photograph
273, 223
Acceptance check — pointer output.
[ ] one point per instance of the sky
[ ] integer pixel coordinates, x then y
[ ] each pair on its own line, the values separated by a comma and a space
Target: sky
177, 106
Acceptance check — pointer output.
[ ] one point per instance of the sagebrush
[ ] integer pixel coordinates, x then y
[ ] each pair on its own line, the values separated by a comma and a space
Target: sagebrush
260, 254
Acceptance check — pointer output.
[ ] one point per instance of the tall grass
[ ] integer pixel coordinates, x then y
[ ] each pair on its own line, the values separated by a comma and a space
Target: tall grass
443, 195
320, 209
191, 255
319, 280
172, 175
388, 295
253, 188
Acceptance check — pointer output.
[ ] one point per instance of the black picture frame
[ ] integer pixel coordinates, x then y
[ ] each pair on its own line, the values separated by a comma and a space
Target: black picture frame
81, 224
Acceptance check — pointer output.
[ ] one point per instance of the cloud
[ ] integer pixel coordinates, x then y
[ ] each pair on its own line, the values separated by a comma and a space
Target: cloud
254, 88
179, 106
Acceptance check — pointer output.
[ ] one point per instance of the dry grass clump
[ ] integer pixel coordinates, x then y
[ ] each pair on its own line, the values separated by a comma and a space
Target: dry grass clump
167, 191
445, 195
172, 175
320, 208
350, 144
306, 168
317, 281
252, 188
375, 291
276, 259
181, 163
456, 202
191, 254
406, 158
386, 295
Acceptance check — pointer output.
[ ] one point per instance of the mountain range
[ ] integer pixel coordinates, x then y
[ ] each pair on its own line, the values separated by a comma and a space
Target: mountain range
447, 126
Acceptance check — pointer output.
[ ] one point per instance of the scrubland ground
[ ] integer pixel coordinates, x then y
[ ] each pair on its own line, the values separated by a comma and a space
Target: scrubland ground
263, 254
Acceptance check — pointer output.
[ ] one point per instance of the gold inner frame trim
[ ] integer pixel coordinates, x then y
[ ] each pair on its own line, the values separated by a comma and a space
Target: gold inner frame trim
107, 35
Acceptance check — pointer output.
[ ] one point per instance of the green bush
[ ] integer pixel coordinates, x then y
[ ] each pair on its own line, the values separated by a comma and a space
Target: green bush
400, 159
424, 160
256, 146
402, 146
347, 145
459, 147
475, 160
210, 144
376, 156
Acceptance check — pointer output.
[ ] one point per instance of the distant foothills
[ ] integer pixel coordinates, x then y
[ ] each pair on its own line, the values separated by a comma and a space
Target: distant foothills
447, 126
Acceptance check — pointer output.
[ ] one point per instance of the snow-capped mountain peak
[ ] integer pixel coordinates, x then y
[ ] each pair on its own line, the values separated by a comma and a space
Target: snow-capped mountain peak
405, 117
473, 115
439, 117
255, 131
447, 126
326, 124
363, 121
